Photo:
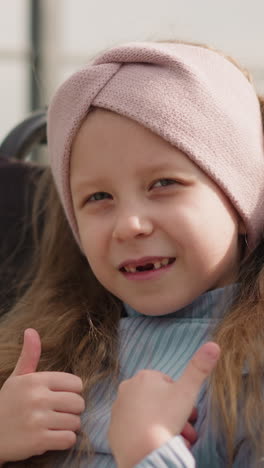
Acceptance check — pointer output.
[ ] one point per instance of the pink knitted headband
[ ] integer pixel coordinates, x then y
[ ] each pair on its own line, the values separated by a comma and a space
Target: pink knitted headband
192, 97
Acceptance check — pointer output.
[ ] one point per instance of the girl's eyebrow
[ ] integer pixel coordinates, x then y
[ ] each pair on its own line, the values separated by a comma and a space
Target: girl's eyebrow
175, 167
83, 182
160, 167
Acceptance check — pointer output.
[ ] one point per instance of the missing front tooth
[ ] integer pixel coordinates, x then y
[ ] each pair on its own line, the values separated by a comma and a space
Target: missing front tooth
148, 266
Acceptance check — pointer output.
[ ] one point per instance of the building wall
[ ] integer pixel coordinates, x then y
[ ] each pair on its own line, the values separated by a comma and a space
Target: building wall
73, 31
14, 62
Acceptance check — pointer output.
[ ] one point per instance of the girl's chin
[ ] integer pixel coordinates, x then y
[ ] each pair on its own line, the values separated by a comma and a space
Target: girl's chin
154, 309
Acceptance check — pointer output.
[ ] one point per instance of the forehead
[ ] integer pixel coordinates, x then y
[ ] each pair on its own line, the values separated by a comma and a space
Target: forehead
108, 141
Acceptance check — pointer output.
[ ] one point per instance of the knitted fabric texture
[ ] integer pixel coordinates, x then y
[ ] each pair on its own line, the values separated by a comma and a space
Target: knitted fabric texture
191, 96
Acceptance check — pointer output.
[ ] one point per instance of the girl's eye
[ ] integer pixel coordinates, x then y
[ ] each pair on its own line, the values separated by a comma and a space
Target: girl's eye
98, 196
164, 182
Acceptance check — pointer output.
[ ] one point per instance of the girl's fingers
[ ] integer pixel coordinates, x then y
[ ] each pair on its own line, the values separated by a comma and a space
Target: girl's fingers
198, 369
64, 421
67, 402
30, 353
189, 433
59, 440
62, 382
193, 416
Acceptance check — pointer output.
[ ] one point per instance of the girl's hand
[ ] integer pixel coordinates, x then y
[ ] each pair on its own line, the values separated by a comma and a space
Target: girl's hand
39, 411
188, 433
151, 408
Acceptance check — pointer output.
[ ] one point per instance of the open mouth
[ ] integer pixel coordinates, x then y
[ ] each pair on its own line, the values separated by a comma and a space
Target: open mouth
149, 266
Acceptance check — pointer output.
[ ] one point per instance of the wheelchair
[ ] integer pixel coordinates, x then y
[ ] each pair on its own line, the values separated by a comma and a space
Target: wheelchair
18, 181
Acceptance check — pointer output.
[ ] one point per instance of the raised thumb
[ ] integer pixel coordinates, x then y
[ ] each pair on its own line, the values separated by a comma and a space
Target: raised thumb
200, 367
30, 353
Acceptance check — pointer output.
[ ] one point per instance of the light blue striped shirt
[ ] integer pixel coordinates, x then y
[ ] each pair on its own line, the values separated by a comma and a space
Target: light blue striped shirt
165, 343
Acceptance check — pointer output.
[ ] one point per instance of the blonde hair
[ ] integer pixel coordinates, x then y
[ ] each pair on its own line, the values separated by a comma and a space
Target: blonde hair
75, 316
77, 320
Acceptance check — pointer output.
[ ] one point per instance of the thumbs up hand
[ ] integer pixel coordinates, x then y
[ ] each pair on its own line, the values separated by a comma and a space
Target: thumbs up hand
39, 411
151, 408
30, 354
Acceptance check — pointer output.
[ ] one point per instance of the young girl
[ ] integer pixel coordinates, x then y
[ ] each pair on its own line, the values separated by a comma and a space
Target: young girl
157, 156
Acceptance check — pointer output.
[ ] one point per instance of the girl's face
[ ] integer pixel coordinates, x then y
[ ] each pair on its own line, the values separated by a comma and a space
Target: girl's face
156, 231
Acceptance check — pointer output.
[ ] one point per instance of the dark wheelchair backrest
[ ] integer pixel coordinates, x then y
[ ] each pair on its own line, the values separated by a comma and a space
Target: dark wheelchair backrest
18, 181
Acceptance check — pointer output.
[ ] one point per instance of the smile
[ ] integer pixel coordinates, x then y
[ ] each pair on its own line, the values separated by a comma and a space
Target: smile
147, 266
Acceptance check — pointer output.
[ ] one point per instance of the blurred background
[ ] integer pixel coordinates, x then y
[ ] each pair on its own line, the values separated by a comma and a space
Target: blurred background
43, 41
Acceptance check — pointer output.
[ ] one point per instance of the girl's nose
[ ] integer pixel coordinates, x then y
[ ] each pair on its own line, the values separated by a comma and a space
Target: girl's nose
132, 226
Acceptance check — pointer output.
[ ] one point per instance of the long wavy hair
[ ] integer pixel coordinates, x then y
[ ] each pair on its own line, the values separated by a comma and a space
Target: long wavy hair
78, 319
